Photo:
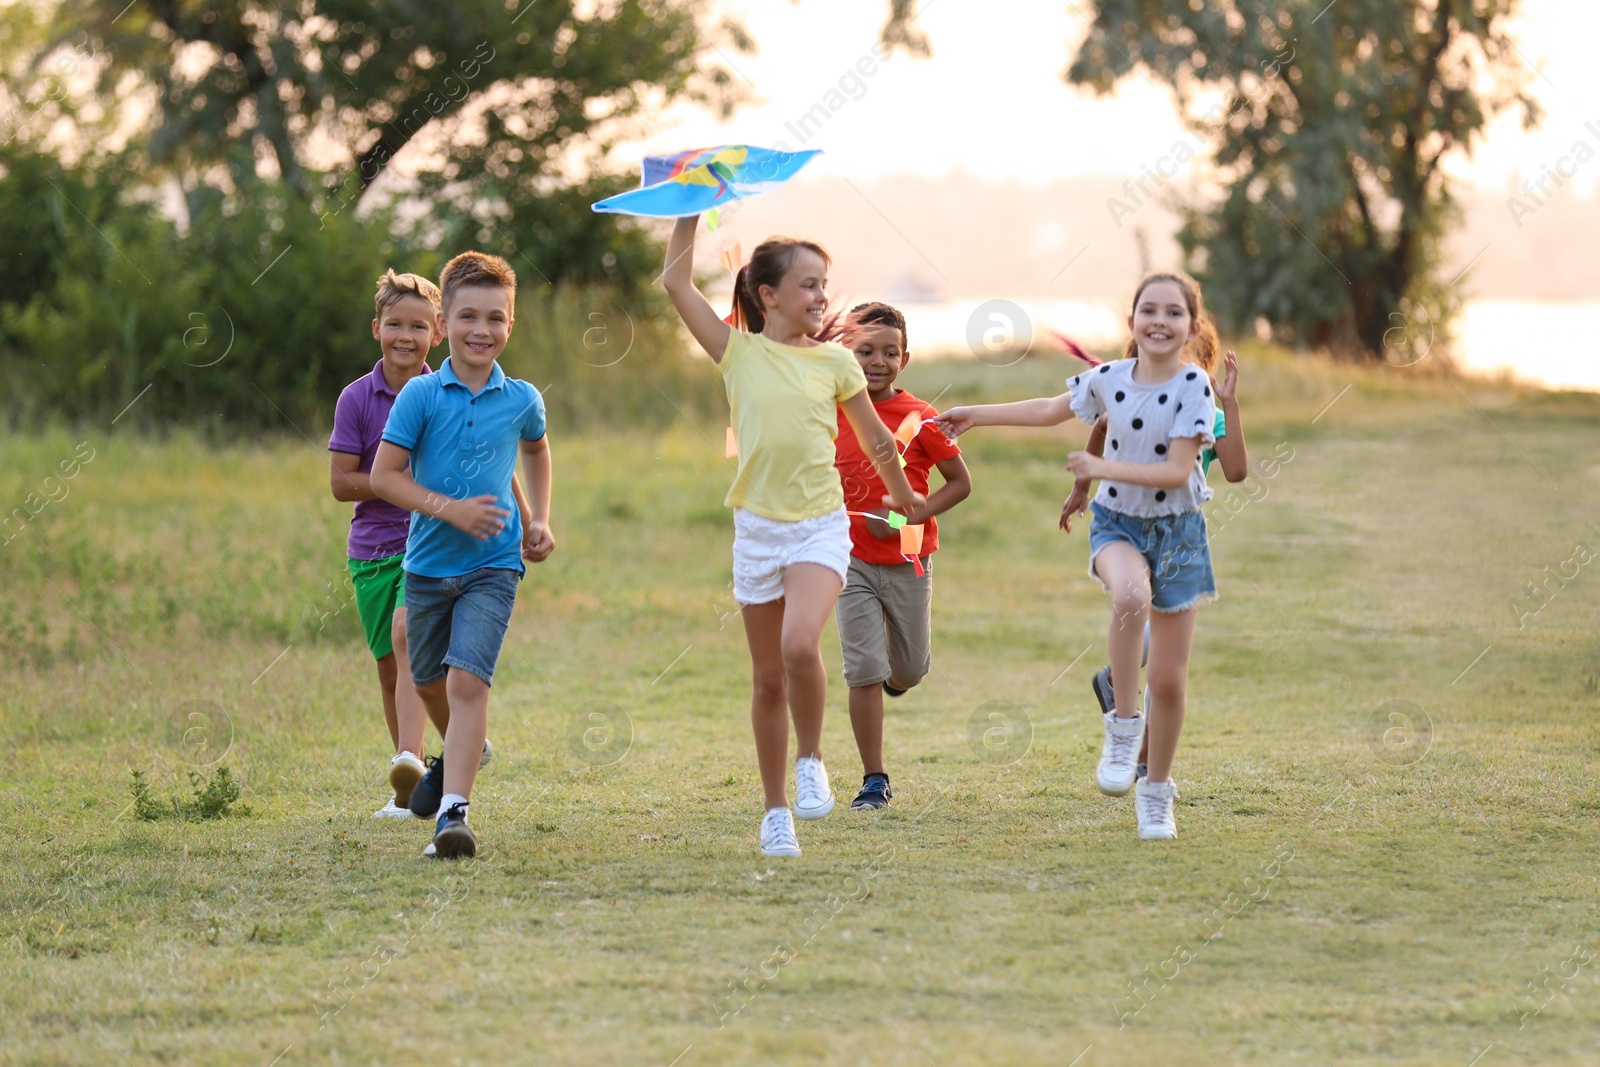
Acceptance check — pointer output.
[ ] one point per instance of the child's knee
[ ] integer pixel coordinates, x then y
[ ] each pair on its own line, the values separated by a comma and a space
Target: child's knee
463, 683
801, 650
771, 684
1167, 686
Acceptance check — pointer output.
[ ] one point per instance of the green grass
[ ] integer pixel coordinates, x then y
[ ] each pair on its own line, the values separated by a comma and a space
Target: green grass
180, 609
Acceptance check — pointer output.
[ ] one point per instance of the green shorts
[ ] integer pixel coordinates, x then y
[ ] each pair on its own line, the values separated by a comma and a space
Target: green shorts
380, 586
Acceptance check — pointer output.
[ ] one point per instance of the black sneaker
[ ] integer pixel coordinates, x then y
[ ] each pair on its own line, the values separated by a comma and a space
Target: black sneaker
874, 793
426, 794
892, 691
1103, 691
453, 837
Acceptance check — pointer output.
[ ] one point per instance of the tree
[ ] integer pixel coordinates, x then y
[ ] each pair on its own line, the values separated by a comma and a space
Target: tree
1332, 125
506, 100
1331, 122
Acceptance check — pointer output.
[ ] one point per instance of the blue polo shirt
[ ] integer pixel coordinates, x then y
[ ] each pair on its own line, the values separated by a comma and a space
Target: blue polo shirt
464, 445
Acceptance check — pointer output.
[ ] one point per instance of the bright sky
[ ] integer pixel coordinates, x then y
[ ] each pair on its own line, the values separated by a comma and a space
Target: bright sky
992, 101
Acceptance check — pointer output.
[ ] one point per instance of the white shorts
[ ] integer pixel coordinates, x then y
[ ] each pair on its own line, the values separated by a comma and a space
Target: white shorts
763, 548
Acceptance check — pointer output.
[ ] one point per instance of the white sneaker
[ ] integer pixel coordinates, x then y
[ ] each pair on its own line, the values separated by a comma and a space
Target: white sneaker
1120, 755
392, 810
777, 834
405, 771
488, 754
1152, 802
812, 797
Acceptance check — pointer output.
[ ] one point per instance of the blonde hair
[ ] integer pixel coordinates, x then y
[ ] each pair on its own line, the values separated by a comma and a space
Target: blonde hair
1203, 347
394, 287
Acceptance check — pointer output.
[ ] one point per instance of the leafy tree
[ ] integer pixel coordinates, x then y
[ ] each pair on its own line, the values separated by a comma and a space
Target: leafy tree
505, 100
1333, 123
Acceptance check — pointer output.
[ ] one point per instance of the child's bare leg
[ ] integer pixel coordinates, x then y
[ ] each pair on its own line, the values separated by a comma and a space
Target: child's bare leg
468, 698
769, 700
388, 674
435, 699
866, 721
1171, 637
409, 713
809, 593
1125, 572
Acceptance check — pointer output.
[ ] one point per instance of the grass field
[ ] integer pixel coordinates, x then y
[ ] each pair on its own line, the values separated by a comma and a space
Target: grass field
1348, 887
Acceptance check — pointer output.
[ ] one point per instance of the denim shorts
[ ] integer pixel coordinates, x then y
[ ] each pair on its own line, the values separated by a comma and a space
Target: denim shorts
1174, 547
458, 622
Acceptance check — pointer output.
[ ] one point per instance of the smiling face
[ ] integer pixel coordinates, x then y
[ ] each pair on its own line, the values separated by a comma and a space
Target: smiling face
478, 323
879, 349
406, 329
798, 302
1161, 322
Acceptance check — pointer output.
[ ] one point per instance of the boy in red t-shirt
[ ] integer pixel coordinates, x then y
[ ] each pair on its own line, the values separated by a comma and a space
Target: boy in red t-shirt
883, 610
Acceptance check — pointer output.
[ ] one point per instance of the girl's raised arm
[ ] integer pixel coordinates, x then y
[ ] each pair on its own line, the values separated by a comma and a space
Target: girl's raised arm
678, 278
1230, 447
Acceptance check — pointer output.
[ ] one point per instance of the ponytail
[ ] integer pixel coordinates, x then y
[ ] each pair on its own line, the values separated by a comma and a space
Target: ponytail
747, 312
1204, 345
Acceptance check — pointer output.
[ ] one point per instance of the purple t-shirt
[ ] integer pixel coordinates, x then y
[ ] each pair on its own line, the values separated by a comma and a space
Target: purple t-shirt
378, 529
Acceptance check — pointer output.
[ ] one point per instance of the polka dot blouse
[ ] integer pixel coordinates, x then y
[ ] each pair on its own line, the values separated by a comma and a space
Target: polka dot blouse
1142, 422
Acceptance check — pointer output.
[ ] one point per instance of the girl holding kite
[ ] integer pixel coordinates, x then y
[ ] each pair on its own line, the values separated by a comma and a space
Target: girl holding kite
791, 544
1147, 538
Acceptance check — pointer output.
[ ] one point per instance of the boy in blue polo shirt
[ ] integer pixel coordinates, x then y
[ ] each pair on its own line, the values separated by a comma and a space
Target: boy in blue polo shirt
461, 429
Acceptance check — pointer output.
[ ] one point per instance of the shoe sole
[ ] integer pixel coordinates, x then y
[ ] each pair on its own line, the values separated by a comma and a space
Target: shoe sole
1160, 835
452, 843
868, 805
1104, 696
814, 813
1112, 790
785, 853
399, 813
404, 778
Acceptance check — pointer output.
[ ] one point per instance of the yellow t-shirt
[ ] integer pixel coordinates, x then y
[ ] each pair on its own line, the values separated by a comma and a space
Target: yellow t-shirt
784, 415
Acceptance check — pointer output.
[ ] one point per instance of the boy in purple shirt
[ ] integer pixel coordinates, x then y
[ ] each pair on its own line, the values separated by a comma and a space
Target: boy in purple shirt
406, 326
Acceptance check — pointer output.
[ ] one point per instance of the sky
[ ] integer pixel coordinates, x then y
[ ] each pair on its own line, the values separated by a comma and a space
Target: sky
992, 101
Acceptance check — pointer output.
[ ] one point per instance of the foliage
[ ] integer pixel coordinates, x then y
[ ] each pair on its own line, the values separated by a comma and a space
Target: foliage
1333, 122
187, 185
210, 798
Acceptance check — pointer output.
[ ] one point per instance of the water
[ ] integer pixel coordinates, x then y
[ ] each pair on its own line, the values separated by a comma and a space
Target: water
1548, 343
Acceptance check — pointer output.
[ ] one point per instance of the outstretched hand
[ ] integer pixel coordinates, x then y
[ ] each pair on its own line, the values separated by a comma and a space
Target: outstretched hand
956, 421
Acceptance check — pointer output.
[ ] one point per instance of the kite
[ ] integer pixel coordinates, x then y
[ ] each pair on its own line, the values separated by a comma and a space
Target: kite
704, 179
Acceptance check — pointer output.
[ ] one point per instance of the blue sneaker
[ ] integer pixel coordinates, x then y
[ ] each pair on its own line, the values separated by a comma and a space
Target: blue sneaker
453, 837
426, 794
874, 793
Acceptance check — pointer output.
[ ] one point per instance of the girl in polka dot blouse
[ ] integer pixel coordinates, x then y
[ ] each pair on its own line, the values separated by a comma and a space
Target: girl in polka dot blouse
1147, 535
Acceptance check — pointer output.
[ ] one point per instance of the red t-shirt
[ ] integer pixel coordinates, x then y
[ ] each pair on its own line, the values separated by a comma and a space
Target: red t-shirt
864, 490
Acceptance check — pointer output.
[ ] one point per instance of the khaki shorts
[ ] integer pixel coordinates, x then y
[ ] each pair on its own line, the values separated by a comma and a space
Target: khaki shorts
884, 627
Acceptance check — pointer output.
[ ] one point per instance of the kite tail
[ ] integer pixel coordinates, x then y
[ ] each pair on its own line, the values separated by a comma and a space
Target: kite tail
1074, 349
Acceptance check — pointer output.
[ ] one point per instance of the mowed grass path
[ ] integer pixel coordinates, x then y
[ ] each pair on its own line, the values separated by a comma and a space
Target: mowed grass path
1346, 888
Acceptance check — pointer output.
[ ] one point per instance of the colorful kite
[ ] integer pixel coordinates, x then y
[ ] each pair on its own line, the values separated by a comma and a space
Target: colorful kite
704, 179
